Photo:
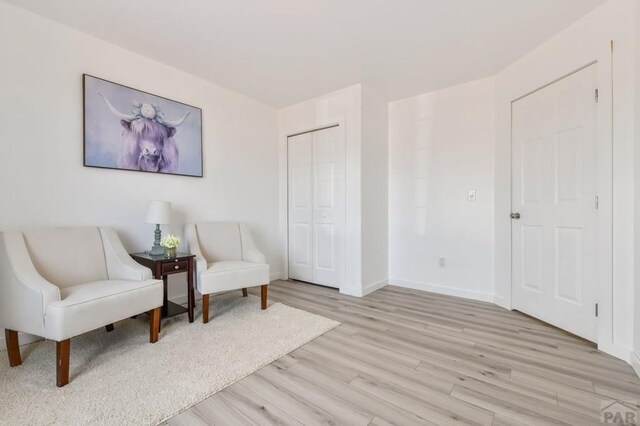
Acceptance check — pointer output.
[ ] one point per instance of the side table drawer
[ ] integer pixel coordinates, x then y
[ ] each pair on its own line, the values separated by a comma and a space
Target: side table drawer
177, 266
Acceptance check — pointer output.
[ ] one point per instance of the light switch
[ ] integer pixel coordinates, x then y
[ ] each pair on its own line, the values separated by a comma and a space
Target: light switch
472, 195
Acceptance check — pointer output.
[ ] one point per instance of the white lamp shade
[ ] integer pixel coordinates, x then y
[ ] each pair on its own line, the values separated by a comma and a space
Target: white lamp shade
159, 212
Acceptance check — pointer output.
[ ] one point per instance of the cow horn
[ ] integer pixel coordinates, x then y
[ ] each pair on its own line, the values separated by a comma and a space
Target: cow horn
127, 117
176, 123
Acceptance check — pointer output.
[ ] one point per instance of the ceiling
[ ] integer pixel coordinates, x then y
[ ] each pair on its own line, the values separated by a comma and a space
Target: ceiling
285, 51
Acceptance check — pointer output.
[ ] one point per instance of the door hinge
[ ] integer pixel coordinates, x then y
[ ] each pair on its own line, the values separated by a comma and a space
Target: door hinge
597, 202
597, 96
596, 309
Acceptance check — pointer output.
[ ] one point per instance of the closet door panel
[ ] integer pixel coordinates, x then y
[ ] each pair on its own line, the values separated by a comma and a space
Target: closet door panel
328, 207
300, 195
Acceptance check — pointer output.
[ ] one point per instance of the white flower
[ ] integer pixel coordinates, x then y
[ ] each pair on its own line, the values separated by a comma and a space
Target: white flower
170, 241
148, 111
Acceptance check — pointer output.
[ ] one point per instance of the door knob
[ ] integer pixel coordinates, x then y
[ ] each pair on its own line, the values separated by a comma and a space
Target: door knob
515, 215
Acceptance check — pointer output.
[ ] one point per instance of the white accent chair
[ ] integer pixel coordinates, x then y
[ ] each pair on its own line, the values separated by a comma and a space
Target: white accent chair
226, 259
58, 283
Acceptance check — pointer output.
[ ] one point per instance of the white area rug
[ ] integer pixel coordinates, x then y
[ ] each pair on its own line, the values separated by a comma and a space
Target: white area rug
119, 378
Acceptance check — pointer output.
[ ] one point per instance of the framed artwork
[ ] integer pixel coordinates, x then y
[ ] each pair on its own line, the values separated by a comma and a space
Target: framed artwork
129, 129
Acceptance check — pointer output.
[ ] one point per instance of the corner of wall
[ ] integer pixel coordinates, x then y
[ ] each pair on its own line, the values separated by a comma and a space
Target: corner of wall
635, 354
351, 291
502, 302
616, 350
277, 276
635, 362
374, 186
375, 286
365, 290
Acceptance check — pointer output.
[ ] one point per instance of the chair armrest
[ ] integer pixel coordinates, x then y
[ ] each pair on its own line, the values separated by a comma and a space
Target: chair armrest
24, 293
201, 264
253, 255
250, 252
194, 247
120, 266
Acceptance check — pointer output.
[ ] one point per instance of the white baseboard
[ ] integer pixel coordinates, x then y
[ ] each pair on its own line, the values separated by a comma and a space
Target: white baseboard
449, 291
277, 276
368, 289
350, 291
621, 352
635, 362
500, 301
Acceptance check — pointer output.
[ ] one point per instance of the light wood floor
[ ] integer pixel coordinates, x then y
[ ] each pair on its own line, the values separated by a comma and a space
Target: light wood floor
407, 357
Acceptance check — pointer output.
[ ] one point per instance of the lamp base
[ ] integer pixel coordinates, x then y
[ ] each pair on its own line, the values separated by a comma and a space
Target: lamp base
156, 250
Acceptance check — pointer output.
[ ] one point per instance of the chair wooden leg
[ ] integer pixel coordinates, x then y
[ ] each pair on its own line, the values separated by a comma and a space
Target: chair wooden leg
244, 292
109, 328
205, 308
13, 347
154, 324
263, 297
63, 353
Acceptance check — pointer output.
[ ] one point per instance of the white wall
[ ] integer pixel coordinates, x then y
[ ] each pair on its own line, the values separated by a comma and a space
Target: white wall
636, 307
44, 182
585, 41
375, 194
340, 106
441, 146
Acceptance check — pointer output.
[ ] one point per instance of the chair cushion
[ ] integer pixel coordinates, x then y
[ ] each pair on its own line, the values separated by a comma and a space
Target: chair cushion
220, 241
232, 275
89, 306
67, 256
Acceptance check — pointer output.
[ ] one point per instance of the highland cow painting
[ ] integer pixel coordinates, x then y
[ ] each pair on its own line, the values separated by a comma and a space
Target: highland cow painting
128, 129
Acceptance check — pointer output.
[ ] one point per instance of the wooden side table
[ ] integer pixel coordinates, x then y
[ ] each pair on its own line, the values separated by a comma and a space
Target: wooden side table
162, 267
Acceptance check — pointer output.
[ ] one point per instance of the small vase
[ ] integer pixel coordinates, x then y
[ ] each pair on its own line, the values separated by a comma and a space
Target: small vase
169, 252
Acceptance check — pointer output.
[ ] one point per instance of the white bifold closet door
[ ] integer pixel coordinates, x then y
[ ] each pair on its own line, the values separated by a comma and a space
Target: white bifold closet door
316, 189
554, 226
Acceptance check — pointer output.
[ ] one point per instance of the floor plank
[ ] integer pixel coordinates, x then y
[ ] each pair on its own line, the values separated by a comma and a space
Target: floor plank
405, 357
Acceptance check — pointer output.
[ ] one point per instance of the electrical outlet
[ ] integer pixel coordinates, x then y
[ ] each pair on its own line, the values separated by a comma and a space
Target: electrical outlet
441, 262
471, 195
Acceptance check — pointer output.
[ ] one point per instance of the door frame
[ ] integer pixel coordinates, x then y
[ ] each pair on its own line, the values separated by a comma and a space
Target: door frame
604, 233
338, 122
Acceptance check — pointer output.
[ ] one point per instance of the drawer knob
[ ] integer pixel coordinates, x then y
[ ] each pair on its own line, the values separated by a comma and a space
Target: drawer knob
176, 267
176, 260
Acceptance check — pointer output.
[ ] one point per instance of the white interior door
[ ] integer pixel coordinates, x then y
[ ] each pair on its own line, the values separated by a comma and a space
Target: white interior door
554, 184
300, 176
328, 206
317, 207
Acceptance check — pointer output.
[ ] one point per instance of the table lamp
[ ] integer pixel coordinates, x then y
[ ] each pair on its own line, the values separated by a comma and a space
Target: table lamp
159, 213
